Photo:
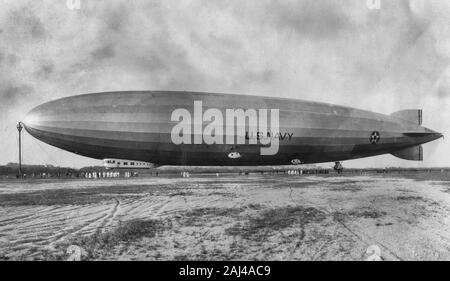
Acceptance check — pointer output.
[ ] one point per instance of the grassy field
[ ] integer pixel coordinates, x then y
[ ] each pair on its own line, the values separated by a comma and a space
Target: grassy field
254, 217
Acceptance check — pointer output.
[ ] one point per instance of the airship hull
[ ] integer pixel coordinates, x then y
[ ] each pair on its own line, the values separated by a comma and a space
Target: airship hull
140, 126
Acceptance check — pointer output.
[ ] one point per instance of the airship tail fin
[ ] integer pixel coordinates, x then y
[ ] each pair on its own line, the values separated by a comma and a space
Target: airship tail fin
411, 115
414, 153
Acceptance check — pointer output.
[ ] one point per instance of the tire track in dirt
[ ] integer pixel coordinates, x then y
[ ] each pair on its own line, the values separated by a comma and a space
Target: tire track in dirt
111, 216
355, 231
105, 220
76, 230
89, 225
362, 235
160, 209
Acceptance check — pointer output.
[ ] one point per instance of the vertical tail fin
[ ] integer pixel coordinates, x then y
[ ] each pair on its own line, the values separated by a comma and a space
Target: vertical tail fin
411, 115
414, 153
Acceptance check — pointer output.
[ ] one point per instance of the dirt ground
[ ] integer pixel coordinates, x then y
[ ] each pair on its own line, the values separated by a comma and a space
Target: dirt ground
228, 217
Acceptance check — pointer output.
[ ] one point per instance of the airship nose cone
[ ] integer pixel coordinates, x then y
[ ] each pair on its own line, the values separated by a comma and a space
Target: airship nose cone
33, 120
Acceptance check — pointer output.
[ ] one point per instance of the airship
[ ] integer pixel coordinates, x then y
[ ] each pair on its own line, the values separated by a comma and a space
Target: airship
138, 128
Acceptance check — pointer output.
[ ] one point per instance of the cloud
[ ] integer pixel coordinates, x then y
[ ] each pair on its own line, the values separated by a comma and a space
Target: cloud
12, 93
105, 52
22, 22
311, 19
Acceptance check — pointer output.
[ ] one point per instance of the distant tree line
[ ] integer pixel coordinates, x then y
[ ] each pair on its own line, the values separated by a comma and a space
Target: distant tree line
12, 169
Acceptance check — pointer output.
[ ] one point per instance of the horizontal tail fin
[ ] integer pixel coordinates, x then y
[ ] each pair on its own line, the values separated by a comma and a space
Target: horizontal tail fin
422, 134
414, 153
411, 115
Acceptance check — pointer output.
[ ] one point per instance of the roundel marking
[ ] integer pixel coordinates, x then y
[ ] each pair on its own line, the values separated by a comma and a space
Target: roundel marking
374, 137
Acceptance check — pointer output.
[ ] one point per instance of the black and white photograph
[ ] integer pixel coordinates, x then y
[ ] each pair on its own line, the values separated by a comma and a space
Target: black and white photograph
247, 131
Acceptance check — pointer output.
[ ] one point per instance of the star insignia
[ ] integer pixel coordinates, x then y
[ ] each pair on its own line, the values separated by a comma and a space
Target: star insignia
374, 137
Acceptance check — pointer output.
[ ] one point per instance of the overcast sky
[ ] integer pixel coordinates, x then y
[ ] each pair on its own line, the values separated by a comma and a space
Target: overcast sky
383, 60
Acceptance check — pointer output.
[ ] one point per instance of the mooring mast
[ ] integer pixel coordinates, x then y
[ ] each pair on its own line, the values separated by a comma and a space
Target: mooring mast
19, 128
